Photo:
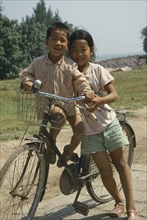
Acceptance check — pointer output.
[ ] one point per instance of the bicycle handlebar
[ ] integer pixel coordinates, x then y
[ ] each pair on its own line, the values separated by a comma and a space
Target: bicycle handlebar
54, 97
60, 98
37, 86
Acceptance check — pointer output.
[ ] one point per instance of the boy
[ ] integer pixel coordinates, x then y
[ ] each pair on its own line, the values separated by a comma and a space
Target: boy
59, 76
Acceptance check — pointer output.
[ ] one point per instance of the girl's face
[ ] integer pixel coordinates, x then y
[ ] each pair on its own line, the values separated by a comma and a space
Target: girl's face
81, 52
57, 44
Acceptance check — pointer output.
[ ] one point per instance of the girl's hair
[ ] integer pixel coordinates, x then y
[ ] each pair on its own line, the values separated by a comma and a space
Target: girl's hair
81, 34
57, 26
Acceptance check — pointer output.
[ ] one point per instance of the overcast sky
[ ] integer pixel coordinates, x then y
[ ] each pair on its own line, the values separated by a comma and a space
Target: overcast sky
115, 25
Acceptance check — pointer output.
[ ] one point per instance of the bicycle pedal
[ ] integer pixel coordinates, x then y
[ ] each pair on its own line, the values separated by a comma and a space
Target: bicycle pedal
81, 208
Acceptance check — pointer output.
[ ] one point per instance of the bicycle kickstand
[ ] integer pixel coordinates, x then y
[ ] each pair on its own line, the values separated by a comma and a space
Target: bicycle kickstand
79, 206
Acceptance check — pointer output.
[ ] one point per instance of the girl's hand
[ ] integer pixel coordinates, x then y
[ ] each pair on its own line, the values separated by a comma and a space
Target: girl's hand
95, 103
28, 85
89, 96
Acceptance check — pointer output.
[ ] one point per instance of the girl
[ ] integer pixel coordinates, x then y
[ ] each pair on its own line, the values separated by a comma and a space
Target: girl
105, 133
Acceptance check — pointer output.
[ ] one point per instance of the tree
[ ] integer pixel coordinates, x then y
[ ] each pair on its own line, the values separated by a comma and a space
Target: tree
32, 39
40, 12
10, 53
144, 36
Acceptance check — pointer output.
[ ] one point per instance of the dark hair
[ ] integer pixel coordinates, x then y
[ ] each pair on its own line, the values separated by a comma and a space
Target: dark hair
59, 26
81, 34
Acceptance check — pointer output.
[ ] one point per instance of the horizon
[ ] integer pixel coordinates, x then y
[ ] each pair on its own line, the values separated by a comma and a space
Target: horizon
121, 55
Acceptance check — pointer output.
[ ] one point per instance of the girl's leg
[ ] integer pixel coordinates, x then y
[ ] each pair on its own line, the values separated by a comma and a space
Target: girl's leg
103, 164
125, 176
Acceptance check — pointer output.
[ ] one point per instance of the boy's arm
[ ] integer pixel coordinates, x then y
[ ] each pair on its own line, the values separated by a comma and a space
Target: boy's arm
26, 76
82, 86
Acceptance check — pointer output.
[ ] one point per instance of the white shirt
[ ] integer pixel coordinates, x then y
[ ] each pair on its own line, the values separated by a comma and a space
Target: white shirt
98, 77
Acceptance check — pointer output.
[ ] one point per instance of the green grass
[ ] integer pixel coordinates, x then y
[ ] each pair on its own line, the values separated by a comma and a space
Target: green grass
11, 127
131, 87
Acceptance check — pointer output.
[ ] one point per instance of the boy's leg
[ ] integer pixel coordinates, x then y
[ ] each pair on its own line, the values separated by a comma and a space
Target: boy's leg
77, 125
57, 121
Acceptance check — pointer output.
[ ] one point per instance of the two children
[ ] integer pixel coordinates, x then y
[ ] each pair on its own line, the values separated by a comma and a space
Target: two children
60, 76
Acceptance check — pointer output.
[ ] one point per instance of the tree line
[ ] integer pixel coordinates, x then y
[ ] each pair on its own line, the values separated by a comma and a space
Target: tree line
21, 42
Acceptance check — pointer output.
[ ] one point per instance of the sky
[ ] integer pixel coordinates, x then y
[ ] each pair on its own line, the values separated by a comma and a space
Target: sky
115, 25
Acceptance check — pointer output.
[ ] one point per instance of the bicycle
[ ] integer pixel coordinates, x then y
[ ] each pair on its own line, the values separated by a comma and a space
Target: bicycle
23, 177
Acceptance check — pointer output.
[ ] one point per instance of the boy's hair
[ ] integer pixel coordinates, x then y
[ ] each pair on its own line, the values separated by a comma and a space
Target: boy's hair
57, 26
81, 34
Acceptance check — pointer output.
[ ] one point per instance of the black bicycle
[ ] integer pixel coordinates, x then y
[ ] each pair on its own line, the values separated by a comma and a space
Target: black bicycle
24, 176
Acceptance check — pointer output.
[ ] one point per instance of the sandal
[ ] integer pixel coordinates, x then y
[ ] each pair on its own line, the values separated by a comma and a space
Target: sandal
117, 211
132, 215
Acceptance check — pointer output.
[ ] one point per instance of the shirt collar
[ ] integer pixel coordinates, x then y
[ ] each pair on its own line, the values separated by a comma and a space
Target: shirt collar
50, 62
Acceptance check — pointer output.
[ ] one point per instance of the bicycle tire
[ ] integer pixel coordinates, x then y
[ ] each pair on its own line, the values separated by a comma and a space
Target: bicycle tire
95, 188
21, 183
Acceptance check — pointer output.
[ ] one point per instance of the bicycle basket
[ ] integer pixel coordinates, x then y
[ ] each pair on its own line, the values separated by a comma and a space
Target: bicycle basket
27, 110
31, 108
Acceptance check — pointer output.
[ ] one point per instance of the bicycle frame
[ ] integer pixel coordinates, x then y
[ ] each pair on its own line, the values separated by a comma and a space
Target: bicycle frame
44, 137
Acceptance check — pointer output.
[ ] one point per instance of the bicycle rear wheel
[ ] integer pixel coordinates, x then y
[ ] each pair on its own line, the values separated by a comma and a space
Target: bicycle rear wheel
21, 183
95, 187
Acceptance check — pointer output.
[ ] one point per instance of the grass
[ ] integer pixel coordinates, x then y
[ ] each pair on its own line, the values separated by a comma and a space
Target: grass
131, 87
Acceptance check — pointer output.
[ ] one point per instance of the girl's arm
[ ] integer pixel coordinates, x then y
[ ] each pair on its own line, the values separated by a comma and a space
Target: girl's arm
109, 98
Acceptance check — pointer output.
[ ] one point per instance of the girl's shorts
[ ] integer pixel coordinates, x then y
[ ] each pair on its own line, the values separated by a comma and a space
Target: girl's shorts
109, 139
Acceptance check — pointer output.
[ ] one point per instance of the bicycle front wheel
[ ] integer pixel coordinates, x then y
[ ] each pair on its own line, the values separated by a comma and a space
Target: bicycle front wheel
21, 183
95, 187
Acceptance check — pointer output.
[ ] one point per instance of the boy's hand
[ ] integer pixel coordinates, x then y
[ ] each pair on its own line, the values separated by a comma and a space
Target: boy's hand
28, 85
89, 96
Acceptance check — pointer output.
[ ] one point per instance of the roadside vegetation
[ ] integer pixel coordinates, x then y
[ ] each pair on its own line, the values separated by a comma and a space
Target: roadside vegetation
131, 88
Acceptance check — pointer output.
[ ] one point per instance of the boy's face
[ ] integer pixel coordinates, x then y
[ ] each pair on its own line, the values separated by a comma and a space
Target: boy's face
57, 44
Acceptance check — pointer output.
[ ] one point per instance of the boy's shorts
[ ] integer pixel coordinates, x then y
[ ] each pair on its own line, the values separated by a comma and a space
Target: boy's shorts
109, 139
59, 116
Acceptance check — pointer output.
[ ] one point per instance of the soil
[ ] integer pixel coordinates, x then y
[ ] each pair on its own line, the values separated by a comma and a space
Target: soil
138, 122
